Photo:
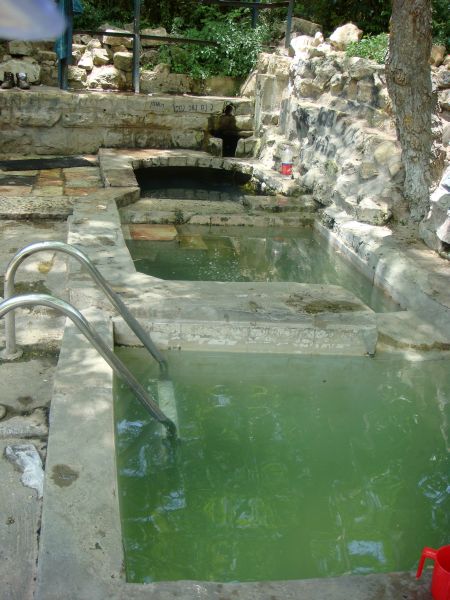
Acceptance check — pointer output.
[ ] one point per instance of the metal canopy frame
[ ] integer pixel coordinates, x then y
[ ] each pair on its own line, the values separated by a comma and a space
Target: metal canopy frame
64, 63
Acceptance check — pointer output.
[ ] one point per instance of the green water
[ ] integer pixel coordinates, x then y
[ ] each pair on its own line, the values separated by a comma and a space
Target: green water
288, 467
254, 254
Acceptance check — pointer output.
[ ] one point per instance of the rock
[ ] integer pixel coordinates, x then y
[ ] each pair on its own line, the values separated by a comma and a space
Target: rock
31, 426
49, 75
94, 43
27, 459
77, 51
443, 78
123, 61
100, 57
86, 62
369, 211
337, 83
215, 146
159, 31
20, 48
112, 40
359, 68
46, 56
368, 170
443, 232
149, 58
437, 55
15, 65
344, 35
444, 100
300, 43
222, 86
107, 77
434, 229
77, 77
299, 26
385, 151
164, 82
247, 147
2, 411
308, 89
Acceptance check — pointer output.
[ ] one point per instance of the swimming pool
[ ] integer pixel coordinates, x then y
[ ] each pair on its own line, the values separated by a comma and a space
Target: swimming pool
288, 467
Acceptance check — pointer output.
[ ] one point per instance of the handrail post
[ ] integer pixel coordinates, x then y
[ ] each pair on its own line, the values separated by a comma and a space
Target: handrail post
136, 45
114, 362
11, 351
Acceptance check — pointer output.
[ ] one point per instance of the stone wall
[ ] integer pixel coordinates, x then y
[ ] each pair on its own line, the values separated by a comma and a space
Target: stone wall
334, 113
105, 62
47, 121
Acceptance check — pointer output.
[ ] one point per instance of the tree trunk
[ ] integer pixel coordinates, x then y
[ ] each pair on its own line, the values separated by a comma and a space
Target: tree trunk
408, 77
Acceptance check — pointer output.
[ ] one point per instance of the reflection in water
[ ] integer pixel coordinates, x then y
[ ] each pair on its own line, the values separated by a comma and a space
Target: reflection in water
288, 467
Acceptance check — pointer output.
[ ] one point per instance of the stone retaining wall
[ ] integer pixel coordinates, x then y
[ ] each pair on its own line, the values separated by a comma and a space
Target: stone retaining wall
47, 121
334, 113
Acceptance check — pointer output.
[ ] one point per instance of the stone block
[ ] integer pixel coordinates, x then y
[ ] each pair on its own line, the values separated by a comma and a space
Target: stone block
86, 62
106, 78
344, 35
159, 31
215, 146
100, 57
368, 170
359, 68
46, 56
437, 55
20, 48
77, 77
372, 212
112, 40
247, 147
123, 61
385, 152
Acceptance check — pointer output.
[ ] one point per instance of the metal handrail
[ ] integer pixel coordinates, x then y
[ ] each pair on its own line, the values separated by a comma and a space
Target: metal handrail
11, 351
114, 362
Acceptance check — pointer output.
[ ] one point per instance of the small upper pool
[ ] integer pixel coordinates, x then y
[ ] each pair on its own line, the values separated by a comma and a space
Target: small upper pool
201, 253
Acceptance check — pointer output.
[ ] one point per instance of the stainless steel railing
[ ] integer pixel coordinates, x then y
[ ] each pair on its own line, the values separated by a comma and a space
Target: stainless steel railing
11, 350
8, 305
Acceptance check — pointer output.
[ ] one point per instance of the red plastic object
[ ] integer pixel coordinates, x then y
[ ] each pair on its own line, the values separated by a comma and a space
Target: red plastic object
286, 169
440, 582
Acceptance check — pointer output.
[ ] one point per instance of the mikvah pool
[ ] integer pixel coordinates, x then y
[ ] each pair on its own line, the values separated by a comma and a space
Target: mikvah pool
287, 467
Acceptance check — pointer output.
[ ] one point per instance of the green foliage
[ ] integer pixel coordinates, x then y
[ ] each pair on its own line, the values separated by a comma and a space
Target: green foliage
235, 50
441, 22
96, 13
372, 46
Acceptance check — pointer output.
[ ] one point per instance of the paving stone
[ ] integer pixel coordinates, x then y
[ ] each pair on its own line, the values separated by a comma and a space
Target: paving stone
153, 232
192, 242
50, 190
15, 190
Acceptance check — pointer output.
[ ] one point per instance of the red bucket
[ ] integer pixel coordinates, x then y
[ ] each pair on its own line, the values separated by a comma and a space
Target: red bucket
440, 583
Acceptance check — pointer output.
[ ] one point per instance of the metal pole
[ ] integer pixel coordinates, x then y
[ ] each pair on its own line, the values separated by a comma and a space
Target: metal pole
255, 16
289, 23
136, 45
114, 362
